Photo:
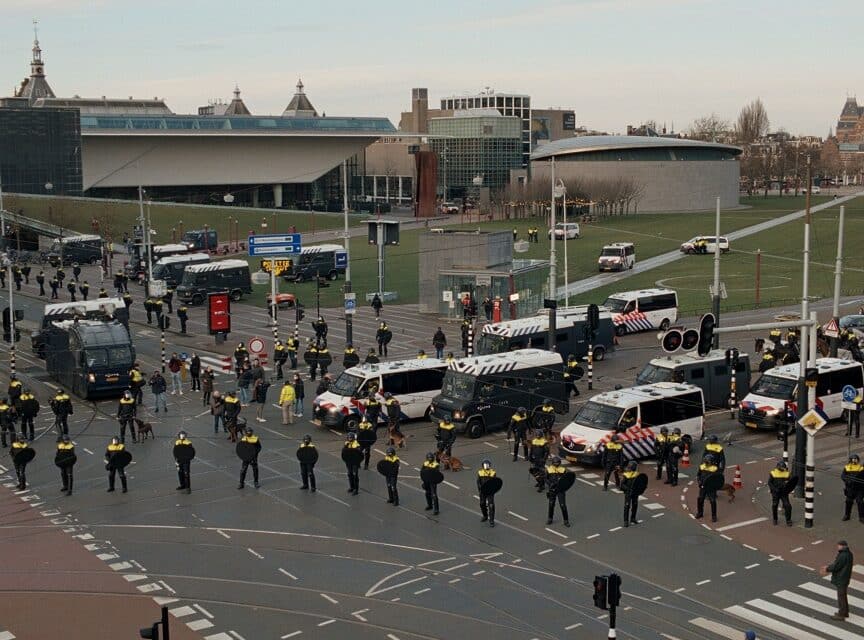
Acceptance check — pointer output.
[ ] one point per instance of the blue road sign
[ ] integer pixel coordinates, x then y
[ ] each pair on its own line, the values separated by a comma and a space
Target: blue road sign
341, 260
275, 244
849, 393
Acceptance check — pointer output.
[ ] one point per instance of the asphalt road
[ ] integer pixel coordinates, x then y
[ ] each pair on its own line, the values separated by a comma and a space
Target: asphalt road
278, 562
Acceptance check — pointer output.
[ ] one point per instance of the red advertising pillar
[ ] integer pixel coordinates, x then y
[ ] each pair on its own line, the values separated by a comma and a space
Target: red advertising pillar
496, 310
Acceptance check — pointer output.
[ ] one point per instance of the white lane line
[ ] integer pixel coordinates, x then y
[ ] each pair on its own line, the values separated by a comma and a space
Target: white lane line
291, 635
454, 581
417, 593
746, 523
478, 573
326, 622
290, 575
817, 542
457, 566
328, 598
390, 636
659, 515
725, 537
752, 566
254, 553
567, 544
613, 530
91, 453
593, 535
223, 534
804, 566
701, 582
728, 573
679, 589
181, 612
657, 598
359, 615
516, 515
749, 547
557, 533
120, 566
590, 484
544, 552
579, 624
450, 484
796, 549
197, 625
203, 610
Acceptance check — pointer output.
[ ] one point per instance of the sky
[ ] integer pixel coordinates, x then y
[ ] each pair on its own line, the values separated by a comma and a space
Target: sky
615, 62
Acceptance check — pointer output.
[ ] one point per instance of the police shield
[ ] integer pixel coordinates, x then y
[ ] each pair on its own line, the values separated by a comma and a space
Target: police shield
640, 484
387, 468
246, 451
119, 460
351, 456
491, 487
790, 485
184, 452
307, 455
431, 476
567, 480
713, 483
23, 456
65, 458
366, 437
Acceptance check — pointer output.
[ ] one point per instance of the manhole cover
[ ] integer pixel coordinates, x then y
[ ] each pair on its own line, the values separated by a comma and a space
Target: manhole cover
696, 539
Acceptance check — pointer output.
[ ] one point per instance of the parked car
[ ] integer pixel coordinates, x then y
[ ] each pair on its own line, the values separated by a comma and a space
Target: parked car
566, 231
449, 208
710, 246
283, 300
815, 190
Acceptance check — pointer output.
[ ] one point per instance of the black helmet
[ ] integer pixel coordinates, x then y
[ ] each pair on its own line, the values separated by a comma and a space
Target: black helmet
65, 438
486, 464
352, 436
307, 439
677, 431
115, 440
555, 460
547, 401
631, 466
430, 456
538, 433
248, 431
782, 465
391, 451
854, 458
664, 430
348, 345
710, 458
181, 435
615, 438
387, 394
521, 410
712, 439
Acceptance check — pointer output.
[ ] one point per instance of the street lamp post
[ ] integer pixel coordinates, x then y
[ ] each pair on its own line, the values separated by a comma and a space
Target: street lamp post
349, 318
7, 266
561, 192
552, 258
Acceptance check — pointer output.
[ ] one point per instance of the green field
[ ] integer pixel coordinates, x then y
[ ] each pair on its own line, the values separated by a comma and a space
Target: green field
168, 220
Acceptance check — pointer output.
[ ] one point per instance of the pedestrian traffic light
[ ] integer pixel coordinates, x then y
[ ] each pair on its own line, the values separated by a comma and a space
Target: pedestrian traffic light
732, 358
600, 591
671, 341
614, 589
593, 317
301, 311
689, 339
164, 322
706, 334
150, 633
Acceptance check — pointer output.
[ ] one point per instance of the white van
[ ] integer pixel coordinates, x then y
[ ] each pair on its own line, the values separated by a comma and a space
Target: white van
414, 383
635, 414
634, 311
777, 389
618, 256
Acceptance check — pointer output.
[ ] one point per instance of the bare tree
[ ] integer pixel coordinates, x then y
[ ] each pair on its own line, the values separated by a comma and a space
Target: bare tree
708, 128
752, 123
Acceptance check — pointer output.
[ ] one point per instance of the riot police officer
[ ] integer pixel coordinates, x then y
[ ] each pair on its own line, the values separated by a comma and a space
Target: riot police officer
249, 438
446, 436
853, 479
183, 316
487, 499
611, 460
352, 462
65, 460
538, 454
392, 476
554, 474
661, 450
715, 449
778, 479
350, 358
519, 428
430, 489
631, 497
707, 469
307, 455
184, 461
126, 416
111, 464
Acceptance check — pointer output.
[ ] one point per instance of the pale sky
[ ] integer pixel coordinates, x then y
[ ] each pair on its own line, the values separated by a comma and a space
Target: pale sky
615, 62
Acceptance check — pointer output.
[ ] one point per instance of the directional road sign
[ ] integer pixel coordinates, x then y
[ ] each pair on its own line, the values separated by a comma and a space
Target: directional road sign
812, 421
274, 244
341, 260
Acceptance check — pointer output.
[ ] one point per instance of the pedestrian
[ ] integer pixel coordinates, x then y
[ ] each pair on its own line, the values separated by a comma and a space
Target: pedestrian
383, 336
195, 371
377, 305
307, 454
184, 453
28, 410
430, 488
118, 283
55, 285
439, 341
778, 485
113, 460
841, 575
168, 299
65, 459
390, 469
611, 460
464, 330
572, 372
291, 348
20, 459
286, 403
555, 490
310, 357
351, 456
183, 316
76, 270
260, 395
40, 280
487, 308
25, 270
706, 477
174, 366
853, 479
18, 277
280, 356
158, 387
299, 395
320, 327
249, 441
126, 416
207, 381
244, 384
487, 498
217, 408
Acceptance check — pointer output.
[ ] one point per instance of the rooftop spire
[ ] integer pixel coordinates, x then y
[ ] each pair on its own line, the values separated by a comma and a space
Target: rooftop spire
36, 86
37, 52
236, 91
299, 85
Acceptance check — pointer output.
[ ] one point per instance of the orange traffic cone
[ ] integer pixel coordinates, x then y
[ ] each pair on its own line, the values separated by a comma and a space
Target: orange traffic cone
685, 459
737, 481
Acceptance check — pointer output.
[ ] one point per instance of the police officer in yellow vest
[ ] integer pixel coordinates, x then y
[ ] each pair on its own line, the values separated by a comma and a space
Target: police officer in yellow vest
61, 405
15, 390
184, 466
778, 477
366, 441
126, 416
853, 477
352, 468
350, 358
7, 421
487, 502
429, 488
554, 472
28, 409
538, 454
421, 355
20, 467
661, 450
715, 449
446, 436
392, 479
544, 416
307, 469
631, 501
291, 348
249, 437
65, 449
136, 383
519, 429
113, 449
611, 460
280, 356
706, 469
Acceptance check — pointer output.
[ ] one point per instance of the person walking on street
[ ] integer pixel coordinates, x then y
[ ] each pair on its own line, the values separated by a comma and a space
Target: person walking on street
55, 285
195, 372
19, 460
61, 405
631, 497
392, 476
28, 410
291, 348
260, 394
40, 280
207, 380
184, 452
377, 305
611, 460
158, 387
136, 383
487, 308
853, 479
841, 575
280, 356
174, 366
487, 499
65, 459
707, 469
299, 395
286, 403
310, 357
439, 341
244, 382
84, 288
383, 336
217, 410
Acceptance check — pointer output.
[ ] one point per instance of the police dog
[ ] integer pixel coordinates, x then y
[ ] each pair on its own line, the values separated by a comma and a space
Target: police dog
144, 429
395, 437
729, 490
449, 463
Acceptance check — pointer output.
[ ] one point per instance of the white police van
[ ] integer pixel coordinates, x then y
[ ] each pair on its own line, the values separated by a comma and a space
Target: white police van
643, 310
777, 389
414, 383
636, 415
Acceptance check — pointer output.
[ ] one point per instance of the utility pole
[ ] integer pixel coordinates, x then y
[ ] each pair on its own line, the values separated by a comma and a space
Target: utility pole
838, 276
349, 317
810, 471
803, 397
274, 292
552, 275
716, 296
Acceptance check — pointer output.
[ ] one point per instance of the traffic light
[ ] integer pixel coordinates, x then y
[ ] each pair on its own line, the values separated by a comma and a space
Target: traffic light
593, 317
150, 633
671, 341
732, 358
706, 334
689, 339
550, 304
300, 311
600, 591
614, 589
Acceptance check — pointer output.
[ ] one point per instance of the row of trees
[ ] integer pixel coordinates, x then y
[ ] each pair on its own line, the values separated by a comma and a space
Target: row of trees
752, 125
615, 196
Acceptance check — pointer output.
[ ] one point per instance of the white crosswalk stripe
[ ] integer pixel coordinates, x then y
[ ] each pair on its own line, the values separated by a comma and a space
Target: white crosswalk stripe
802, 613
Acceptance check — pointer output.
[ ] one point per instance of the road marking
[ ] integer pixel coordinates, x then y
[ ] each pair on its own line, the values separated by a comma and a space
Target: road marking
796, 549
395, 599
566, 544
701, 582
552, 531
715, 627
653, 506
489, 444
741, 524
749, 547
134, 577
680, 589
161, 600
752, 566
725, 537
88, 451
328, 598
455, 580
544, 552
657, 598
203, 610
478, 573
254, 553
457, 566
417, 593
593, 535
817, 542
614, 529
326, 622
373, 592
804, 566
223, 534
197, 625
107, 556
290, 575
772, 558
574, 626
120, 566
727, 574
590, 484
291, 635
516, 515
390, 636
658, 515
450, 484
789, 616
149, 588
181, 612
358, 614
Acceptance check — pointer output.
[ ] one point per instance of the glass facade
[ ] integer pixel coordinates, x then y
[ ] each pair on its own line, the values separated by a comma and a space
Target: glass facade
506, 105
40, 147
528, 278
470, 147
238, 123
649, 155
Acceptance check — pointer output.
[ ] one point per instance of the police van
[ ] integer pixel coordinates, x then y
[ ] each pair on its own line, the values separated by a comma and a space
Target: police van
106, 309
137, 265
480, 394
711, 374
618, 256
634, 311
636, 415
533, 332
170, 269
414, 383
83, 249
322, 260
226, 275
777, 390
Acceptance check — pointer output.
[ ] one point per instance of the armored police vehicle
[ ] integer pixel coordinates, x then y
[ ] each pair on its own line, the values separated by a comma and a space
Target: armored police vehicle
171, 268
322, 260
226, 275
83, 249
711, 374
105, 309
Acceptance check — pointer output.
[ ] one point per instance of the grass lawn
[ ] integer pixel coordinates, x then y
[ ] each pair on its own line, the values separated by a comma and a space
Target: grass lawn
780, 272
115, 218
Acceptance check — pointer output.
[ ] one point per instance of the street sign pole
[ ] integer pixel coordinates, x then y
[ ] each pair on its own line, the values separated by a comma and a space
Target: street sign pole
273, 303
349, 317
273, 245
810, 473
